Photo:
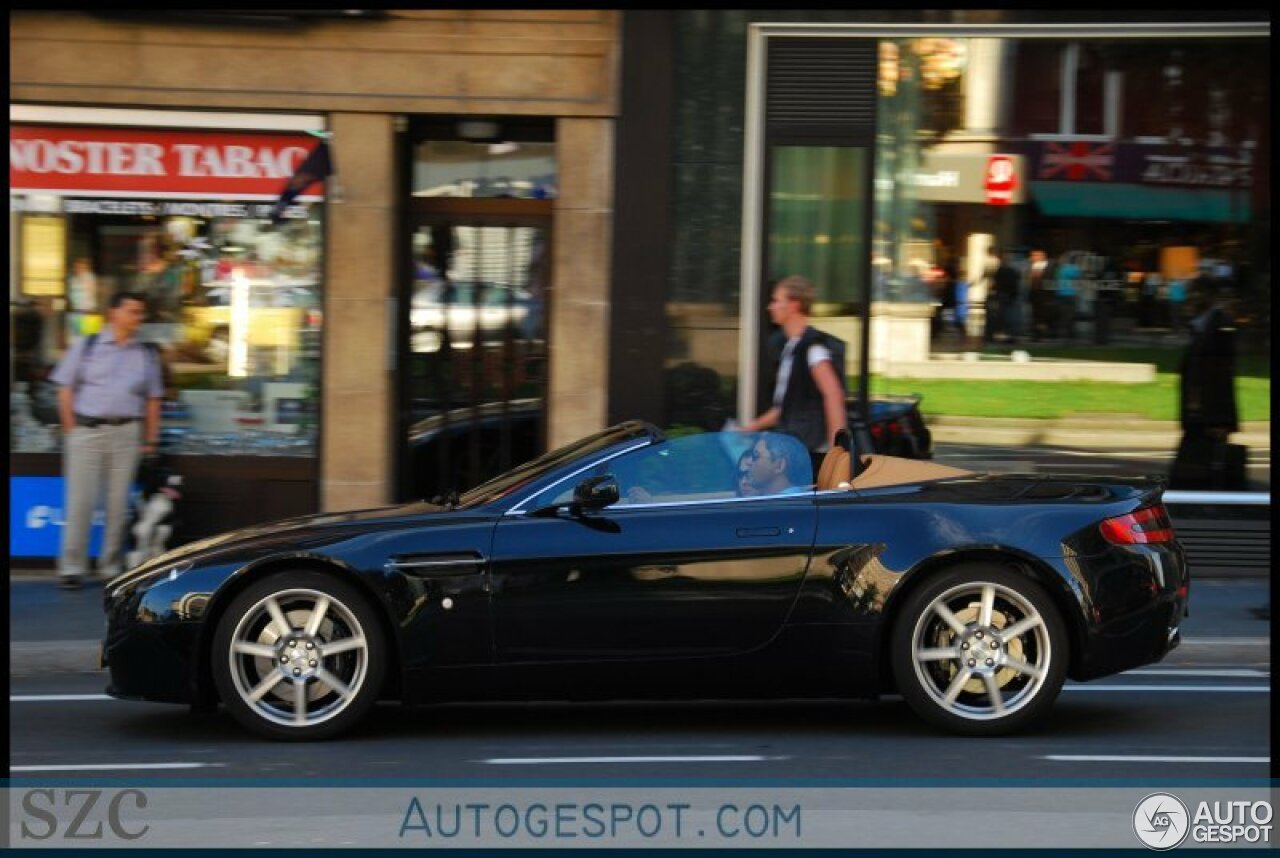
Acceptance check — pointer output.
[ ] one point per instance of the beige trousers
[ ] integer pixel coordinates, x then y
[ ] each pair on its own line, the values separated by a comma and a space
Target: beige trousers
94, 460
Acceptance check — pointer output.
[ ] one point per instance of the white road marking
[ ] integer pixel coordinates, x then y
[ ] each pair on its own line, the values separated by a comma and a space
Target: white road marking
1229, 689
1116, 758
535, 761
61, 698
107, 767
1220, 641
1191, 671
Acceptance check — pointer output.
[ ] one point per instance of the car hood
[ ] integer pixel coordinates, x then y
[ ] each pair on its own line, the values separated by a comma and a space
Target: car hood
288, 530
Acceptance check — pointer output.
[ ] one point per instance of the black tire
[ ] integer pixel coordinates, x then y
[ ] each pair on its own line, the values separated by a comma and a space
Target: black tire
1026, 669
348, 624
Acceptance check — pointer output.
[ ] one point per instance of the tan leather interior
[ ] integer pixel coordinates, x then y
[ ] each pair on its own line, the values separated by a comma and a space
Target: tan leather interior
880, 471
834, 470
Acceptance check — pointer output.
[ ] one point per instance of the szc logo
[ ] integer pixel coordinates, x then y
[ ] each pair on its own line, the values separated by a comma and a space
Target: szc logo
1161, 821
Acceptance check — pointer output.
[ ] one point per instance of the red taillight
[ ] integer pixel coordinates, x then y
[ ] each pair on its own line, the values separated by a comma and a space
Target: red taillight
1141, 527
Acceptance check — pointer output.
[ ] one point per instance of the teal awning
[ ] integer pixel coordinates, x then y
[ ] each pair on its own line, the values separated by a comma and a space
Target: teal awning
1140, 202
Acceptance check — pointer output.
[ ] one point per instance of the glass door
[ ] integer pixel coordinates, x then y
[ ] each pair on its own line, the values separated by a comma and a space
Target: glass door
475, 368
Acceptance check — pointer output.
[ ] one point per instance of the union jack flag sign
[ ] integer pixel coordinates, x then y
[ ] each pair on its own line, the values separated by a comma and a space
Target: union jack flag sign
1077, 161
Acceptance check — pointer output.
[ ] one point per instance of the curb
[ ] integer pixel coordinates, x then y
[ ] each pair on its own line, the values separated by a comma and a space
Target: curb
1238, 652
1081, 433
40, 658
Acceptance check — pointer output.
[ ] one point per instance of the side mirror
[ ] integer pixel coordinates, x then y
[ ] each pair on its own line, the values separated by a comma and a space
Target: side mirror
595, 493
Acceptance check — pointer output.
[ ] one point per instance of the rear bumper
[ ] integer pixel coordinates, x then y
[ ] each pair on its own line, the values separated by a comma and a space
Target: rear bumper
1134, 601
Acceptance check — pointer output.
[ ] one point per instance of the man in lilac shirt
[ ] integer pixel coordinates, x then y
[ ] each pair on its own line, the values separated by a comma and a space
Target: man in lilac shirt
110, 389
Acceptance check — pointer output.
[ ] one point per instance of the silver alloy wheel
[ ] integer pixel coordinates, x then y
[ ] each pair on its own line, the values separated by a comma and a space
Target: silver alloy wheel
981, 651
298, 657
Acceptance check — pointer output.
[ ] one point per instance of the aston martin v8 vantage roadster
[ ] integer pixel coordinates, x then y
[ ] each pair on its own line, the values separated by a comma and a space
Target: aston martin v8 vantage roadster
632, 565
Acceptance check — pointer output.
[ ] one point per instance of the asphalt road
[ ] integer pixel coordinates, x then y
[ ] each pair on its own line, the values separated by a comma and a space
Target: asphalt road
1201, 716
1208, 704
1166, 722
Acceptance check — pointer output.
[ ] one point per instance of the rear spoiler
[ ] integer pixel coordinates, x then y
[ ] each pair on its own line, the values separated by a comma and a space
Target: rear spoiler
1154, 494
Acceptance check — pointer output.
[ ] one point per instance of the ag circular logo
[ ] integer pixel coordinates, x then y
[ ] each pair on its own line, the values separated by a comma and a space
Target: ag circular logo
1161, 821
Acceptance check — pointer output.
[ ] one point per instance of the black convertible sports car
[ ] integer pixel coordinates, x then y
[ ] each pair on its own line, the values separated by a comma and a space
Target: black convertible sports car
631, 565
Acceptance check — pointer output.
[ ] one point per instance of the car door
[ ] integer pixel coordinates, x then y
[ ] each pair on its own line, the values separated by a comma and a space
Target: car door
654, 578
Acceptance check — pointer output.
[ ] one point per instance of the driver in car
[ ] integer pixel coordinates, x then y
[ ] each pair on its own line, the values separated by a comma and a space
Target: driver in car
778, 465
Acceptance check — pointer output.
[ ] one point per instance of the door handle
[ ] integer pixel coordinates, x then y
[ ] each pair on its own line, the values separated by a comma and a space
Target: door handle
747, 532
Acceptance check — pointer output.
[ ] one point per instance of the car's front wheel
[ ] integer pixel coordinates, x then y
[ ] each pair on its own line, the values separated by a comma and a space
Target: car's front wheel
299, 655
980, 650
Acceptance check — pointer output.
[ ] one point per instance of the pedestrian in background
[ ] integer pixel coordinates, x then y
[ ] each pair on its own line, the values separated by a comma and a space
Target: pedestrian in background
1177, 296
808, 393
111, 387
1149, 305
1039, 283
1008, 284
993, 313
1207, 398
951, 295
1068, 285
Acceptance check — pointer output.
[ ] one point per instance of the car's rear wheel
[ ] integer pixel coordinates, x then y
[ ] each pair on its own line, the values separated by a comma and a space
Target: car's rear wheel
980, 650
299, 655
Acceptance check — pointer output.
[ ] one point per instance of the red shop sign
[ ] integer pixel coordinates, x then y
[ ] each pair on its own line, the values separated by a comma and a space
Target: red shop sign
101, 161
1000, 180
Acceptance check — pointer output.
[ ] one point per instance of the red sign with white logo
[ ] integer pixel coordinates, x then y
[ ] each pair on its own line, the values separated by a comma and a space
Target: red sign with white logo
1001, 179
144, 162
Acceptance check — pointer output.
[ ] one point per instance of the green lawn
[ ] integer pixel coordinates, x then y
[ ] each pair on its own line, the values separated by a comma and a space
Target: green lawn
1048, 399
1251, 365
1158, 401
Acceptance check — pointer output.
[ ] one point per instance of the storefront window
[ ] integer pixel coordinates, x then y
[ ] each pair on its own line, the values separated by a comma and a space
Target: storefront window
922, 86
1087, 206
234, 299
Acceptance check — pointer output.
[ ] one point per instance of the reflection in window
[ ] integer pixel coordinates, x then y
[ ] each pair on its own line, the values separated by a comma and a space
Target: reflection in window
707, 466
485, 282
817, 216
523, 170
234, 302
923, 92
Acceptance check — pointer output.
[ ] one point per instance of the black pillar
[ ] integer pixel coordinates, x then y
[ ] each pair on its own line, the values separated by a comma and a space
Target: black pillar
641, 219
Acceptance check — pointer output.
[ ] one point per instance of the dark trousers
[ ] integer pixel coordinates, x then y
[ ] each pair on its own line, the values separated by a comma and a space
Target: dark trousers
1067, 317
1208, 464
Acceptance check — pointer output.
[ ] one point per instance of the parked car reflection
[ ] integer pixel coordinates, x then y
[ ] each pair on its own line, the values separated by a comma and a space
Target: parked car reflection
462, 308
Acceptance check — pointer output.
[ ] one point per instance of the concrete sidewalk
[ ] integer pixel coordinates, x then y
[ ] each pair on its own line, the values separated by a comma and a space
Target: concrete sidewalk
1109, 432
53, 631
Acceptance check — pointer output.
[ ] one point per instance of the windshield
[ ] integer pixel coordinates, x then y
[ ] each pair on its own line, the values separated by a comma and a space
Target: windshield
702, 467
523, 475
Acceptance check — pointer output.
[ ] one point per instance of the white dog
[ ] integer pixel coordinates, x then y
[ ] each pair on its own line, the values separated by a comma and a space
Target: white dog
155, 520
